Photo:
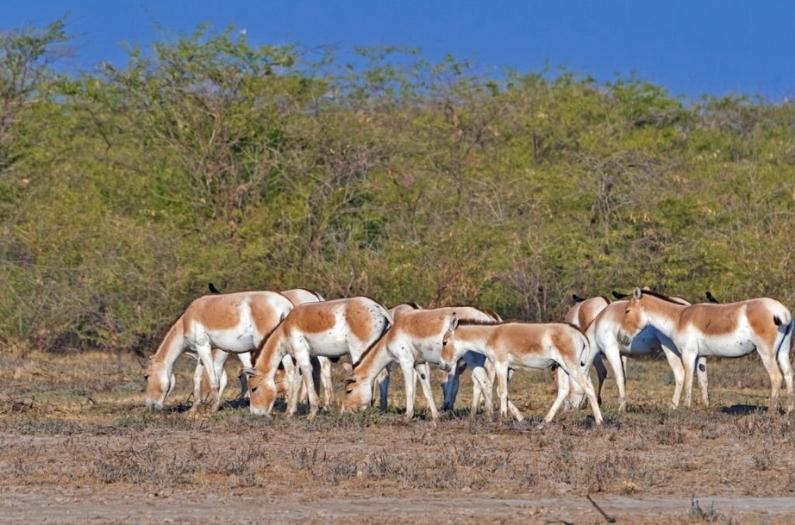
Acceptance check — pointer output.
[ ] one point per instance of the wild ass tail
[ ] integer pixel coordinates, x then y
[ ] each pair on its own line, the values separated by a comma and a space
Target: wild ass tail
582, 358
784, 324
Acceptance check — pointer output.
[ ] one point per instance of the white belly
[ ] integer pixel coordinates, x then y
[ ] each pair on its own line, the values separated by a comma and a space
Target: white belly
726, 346
531, 362
332, 343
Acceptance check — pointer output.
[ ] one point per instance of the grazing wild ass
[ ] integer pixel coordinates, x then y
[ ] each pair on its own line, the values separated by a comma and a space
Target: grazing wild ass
524, 345
201, 380
720, 330
329, 329
384, 378
235, 323
414, 341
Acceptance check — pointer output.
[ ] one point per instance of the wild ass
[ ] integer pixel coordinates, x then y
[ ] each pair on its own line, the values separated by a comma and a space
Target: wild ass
384, 377
609, 340
414, 341
235, 323
721, 330
524, 345
585, 310
329, 329
201, 380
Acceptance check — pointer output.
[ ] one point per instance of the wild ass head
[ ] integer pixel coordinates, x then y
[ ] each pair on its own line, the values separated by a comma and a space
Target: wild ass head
450, 351
159, 384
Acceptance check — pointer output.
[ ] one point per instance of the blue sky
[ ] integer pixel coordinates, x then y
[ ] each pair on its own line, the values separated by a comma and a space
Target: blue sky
692, 47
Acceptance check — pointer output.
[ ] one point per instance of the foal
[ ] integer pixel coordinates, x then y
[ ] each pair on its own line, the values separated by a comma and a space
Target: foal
524, 345
721, 330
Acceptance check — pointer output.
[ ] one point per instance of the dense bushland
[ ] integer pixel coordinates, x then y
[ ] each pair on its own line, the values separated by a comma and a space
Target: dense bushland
123, 191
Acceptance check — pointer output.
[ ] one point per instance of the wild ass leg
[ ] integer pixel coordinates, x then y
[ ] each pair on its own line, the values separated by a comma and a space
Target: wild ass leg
301, 354
501, 370
198, 376
484, 388
424, 375
245, 360
689, 358
769, 360
382, 384
613, 355
293, 383
678, 370
601, 374
204, 351
407, 367
325, 380
585, 383
703, 381
563, 391
786, 368
450, 387
218, 362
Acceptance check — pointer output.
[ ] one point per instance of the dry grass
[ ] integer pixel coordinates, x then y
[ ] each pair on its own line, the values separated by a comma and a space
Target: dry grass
77, 421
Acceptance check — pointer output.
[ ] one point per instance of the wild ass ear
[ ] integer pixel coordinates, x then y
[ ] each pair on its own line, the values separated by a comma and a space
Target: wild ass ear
453, 323
619, 295
637, 293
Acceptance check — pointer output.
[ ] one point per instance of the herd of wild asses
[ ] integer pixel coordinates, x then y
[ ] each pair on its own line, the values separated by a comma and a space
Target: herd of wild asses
287, 342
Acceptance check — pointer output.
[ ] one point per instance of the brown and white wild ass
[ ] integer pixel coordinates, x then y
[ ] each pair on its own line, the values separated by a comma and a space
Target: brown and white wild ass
608, 339
201, 379
720, 330
234, 322
524, 345
329, 329
414, 341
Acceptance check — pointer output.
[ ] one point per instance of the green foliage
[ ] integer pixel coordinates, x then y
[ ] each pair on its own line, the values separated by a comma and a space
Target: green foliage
123, 192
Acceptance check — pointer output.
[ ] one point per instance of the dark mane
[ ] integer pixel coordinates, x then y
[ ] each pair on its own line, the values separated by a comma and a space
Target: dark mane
576, 298
488, 311
478, 322
257, 351
661, 296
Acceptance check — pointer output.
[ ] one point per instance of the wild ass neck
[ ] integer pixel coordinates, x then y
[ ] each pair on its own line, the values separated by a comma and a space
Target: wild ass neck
474, 338
373, 361
172, 346
271, 353
661, 314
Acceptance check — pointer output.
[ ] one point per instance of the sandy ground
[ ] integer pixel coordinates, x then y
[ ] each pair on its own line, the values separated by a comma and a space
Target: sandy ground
76, 446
